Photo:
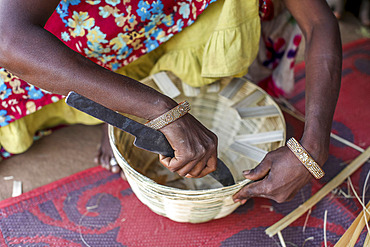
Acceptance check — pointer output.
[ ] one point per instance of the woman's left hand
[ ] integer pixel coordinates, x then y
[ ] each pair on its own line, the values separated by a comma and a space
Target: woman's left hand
281, 172
280, 176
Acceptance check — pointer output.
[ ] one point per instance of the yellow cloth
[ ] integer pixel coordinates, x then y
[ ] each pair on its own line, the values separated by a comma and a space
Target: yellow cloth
223, 41
17, 136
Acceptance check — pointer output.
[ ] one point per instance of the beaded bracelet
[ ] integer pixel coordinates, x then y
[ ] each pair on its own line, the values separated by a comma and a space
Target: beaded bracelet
305, 158
170, 116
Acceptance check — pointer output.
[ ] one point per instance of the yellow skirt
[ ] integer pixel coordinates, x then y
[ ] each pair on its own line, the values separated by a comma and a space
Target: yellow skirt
222, 42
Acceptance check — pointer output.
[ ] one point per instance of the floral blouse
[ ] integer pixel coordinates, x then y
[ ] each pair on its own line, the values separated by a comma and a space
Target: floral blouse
111, 33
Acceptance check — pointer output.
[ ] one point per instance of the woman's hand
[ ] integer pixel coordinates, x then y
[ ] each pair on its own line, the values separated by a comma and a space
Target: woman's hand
195, 148
282, 174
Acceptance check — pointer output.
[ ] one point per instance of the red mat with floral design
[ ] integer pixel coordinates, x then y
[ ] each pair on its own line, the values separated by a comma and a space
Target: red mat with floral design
96, 208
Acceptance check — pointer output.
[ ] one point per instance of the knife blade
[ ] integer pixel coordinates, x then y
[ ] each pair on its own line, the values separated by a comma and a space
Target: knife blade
145, 137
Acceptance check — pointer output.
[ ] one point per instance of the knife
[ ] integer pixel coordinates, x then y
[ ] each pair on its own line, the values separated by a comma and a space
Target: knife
145, 137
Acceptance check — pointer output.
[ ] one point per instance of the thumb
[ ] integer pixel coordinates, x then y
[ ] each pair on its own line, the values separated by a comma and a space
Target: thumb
259, 172
251, 190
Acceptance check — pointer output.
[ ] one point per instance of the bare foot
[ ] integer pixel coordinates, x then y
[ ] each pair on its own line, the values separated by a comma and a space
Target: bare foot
105, 156
337, 15
337, 6
364, 14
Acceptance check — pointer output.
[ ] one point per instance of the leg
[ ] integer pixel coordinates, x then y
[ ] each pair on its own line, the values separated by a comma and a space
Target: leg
337, 7
105, 156
364, 13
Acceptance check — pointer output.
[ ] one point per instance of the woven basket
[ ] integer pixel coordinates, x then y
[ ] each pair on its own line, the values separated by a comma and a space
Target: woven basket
198, 200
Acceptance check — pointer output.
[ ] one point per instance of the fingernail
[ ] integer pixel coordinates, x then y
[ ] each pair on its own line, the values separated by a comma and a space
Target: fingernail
246, 172
236, 200
243, 201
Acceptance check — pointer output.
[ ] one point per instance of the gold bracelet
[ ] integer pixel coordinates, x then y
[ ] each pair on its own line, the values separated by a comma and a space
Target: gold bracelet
170, 116
305, 158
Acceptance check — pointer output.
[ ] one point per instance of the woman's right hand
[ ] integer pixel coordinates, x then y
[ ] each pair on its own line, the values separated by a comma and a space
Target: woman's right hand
195, 148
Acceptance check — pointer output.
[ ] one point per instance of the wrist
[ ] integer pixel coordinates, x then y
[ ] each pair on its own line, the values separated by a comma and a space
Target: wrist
306, 158
170, 116
160, 107
317, 146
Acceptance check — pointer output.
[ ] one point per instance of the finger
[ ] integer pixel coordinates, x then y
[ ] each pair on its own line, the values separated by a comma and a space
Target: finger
181, 165
164, 160
114, 167
198, 168
102, 160
105, 166
255, 189
97, 157
169, 163
210, 166
242, 202
259, 172
177, 165
187, 168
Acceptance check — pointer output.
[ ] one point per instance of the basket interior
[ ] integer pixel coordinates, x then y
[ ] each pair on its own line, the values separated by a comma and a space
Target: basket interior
216, 113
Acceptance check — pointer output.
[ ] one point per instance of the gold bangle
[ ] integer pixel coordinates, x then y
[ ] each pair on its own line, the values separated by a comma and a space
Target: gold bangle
305, 158
170, 116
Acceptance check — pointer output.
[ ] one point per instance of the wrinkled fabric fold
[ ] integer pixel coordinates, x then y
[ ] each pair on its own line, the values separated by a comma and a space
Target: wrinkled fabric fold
17, 136
222, 42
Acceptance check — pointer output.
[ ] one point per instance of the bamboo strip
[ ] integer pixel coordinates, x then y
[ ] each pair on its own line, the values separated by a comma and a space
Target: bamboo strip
349, 238
335, 182
189, 90
251, 99
367, 240
166, 85
282, 242
348, 143
146, 80
249, 151
293, 113
17, 188
299, 116
325, 220
263, 137
258, 111
289, 108
232, 88
214, 87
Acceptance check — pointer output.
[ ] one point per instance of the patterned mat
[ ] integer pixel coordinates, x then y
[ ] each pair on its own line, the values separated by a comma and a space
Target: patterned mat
96, 208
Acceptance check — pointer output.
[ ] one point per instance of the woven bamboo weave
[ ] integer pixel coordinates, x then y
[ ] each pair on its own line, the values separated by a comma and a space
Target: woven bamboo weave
197, 200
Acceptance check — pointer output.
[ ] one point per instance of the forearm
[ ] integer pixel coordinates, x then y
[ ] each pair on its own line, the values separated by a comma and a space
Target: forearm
36, 56
323, 71
281, 175
323, 74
